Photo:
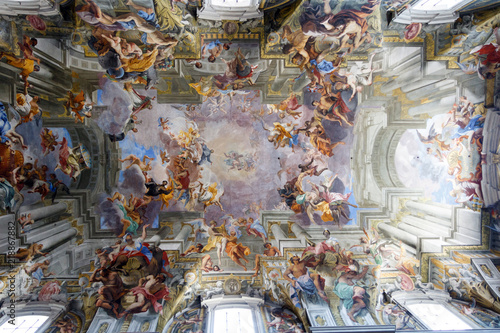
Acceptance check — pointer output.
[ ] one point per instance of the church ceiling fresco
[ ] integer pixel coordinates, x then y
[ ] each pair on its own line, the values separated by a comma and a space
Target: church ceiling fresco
165, 168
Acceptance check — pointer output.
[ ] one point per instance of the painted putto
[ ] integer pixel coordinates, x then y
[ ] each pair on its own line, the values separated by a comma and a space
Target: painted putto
258, 166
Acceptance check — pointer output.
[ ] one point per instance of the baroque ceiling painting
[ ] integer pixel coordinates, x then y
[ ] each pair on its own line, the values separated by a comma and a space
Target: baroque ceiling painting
199, 166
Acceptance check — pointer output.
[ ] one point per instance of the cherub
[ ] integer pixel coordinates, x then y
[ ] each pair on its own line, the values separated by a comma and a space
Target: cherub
25, 219
34, 110
164, 123
281, 135
256, 229
78, 106
186, 138
164, 157
66, 326
49, 141
145, 167
103, 257
234, 224
116, 249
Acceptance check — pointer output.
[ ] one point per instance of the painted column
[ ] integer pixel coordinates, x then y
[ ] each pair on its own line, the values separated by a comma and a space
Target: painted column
183, 234
282, 240
402, 235
437, 211
278, 233
415, 230
44, 212
300, 233
436, 107
427, 225
58, 238
161, 234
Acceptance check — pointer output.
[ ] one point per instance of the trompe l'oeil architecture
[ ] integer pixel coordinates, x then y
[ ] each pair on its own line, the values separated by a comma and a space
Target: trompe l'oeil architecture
241, 166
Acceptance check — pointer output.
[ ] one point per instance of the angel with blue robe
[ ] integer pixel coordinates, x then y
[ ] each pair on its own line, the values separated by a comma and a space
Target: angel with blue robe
7, 131
256, 229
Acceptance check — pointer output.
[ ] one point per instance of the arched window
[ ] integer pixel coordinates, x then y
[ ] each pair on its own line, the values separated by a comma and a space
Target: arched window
23, 324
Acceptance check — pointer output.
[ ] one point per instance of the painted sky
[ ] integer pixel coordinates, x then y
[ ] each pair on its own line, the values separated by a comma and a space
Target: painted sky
237, 125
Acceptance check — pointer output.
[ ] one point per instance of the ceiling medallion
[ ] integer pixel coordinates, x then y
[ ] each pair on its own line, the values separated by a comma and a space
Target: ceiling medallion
232, 286
230, 28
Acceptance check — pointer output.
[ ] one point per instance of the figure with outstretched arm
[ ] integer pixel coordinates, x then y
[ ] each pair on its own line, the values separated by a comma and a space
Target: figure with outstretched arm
301, 280
216, 239
351, 294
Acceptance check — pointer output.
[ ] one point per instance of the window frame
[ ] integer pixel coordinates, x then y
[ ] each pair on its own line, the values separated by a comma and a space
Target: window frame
406, 298
51, 310
220, 302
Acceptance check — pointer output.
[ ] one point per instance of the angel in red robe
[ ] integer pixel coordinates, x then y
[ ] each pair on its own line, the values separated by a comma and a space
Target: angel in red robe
150, 290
